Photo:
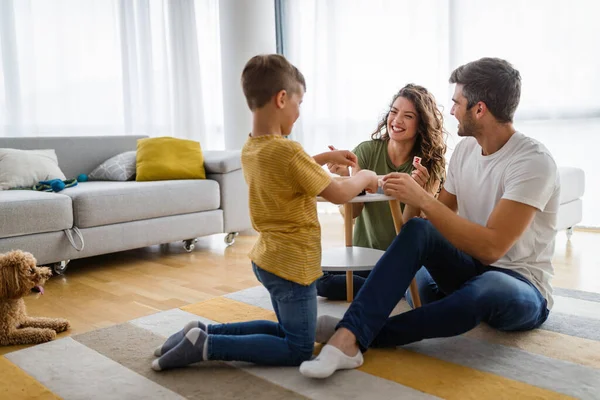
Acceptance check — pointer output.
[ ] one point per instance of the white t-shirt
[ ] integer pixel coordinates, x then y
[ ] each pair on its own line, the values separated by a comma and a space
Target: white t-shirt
523, 170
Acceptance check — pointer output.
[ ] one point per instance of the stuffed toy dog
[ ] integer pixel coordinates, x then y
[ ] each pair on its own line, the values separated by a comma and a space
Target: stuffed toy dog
19, 275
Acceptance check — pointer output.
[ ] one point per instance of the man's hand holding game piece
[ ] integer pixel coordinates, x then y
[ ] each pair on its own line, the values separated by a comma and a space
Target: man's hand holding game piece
404, 188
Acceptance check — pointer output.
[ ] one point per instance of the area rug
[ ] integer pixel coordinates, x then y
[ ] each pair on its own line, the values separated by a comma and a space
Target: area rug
560, 360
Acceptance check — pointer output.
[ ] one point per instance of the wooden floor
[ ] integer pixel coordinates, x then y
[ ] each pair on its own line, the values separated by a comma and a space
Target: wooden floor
110, 289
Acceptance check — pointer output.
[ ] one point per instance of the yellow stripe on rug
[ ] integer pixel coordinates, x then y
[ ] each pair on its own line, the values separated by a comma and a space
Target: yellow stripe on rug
16, 384
447, 380
427, 374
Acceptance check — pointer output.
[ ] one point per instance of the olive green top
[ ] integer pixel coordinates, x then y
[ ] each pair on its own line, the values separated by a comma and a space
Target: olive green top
374, 227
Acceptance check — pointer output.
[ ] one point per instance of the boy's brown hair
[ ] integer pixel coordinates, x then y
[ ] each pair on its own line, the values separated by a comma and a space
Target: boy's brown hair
265, 75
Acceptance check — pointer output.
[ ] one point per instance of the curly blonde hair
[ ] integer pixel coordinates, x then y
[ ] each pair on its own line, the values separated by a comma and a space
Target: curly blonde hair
430, 144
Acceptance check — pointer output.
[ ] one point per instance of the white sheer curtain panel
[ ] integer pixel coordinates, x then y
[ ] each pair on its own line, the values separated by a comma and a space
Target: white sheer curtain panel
355, 55
102, 67
555, 46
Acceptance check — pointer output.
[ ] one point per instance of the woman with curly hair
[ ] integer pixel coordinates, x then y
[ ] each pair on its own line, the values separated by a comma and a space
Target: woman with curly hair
412, 127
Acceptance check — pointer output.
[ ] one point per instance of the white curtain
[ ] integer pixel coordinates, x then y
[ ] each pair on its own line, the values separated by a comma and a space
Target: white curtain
555, 44
356, 54
102, 67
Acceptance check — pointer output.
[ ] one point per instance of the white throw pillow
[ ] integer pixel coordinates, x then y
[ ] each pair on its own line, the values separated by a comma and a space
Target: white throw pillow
25, 168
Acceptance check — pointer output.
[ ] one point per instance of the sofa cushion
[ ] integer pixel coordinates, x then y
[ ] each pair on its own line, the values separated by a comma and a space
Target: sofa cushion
572, 184
105, 203
24, 212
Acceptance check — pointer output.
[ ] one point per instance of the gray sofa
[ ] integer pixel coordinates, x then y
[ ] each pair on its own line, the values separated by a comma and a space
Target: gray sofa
102, 217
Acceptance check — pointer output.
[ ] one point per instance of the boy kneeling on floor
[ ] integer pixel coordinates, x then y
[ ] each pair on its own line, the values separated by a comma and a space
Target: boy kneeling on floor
283, 182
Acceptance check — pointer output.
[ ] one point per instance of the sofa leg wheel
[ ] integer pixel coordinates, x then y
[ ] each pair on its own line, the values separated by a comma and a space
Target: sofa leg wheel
230, 238
59, 268
569, 233
189, 245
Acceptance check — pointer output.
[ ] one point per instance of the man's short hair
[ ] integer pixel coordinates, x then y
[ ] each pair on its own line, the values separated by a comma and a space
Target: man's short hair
493, 81
266, 75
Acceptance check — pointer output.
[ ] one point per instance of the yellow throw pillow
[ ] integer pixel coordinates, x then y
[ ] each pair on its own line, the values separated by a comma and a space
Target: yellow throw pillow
165, 158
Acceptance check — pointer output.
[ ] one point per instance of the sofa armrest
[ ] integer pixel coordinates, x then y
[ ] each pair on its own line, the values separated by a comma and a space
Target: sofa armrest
222, 162
225, 167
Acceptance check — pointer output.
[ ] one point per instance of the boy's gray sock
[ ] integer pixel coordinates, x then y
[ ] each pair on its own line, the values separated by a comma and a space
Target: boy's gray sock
326, 328
189, 351
175, 338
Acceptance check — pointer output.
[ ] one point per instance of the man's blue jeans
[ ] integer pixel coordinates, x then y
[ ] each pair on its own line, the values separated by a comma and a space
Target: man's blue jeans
289, 342
458, 292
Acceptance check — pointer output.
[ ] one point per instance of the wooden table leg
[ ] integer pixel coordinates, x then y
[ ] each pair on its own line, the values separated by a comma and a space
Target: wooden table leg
348, 237
397, 216
349, 286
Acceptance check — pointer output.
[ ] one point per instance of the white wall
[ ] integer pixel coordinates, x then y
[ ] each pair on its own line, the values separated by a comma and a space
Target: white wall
247, 29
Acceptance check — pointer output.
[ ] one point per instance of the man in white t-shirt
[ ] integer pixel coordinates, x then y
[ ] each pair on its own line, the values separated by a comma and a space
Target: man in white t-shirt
484, 253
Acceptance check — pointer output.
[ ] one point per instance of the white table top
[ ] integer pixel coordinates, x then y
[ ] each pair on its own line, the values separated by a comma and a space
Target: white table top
367, 198
350, 258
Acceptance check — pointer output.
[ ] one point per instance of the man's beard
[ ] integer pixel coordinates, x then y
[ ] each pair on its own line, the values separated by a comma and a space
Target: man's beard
467, 127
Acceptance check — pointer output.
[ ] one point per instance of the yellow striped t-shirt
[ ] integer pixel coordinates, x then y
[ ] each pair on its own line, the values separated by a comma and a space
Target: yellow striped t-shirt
283, 182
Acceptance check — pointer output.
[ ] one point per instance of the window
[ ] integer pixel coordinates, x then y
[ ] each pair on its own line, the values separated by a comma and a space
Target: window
97, 67
356, 55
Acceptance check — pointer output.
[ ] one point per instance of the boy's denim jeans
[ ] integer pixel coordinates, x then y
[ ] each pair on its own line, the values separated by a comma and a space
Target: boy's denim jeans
289, 342
457, 293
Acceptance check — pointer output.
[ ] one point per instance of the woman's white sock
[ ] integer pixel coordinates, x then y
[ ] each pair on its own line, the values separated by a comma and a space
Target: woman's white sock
328, 361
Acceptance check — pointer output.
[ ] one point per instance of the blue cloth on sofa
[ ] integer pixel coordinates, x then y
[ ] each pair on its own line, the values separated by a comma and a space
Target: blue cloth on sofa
54, 185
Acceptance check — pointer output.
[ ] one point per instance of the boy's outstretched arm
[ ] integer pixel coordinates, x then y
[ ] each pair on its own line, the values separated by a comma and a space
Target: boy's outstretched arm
342, 157
344, 190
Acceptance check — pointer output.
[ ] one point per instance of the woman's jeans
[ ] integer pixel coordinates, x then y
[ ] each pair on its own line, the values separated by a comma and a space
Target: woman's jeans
332, 285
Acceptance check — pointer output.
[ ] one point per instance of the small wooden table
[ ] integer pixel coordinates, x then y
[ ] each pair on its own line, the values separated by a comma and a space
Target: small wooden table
351, 258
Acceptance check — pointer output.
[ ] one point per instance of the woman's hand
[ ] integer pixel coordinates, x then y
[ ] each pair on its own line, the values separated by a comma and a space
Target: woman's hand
420, 174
